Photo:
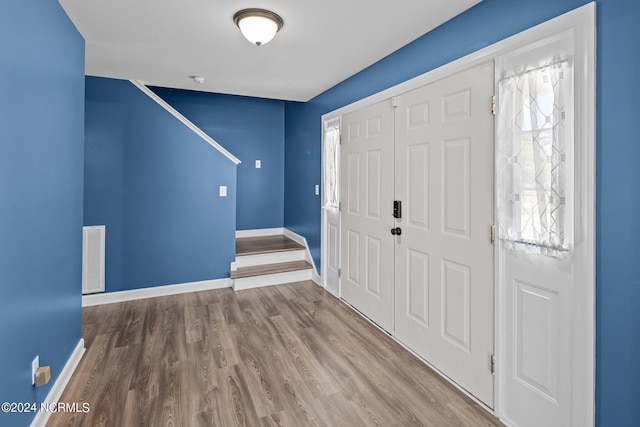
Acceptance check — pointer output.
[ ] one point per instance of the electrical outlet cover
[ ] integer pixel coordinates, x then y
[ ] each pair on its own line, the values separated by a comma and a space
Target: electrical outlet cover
34, 367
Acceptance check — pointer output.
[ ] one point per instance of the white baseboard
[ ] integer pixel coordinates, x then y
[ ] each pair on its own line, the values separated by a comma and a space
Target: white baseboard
303, 241
316, 278
55, 393
258, 232
156, 291
294, 236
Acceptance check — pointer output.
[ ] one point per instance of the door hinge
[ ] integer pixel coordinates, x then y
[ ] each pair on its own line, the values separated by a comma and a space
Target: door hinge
339, 206
493, 105
339, 273
395, 101
493, 364
492, 232
340, 139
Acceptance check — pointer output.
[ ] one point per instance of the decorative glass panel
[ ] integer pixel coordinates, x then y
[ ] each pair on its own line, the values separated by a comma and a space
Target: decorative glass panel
331, 164
532, 158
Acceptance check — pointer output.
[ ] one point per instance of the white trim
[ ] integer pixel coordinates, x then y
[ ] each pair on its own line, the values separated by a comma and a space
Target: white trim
582, 21
295, 236
259, 232
264, 280
469, 61
269, 258
303, 241
151, 94
155, 291
317, 279
584, 338
41, 418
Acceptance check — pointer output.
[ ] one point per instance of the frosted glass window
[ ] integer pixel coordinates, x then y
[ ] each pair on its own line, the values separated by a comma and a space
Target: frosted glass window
533, 138
330, 166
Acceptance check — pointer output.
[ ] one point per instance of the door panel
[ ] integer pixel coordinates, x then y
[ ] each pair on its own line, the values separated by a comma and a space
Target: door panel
332, 237
538, 339
444, 256
536, 322
417, 304
367, 162
418, 185
455, 187
456, 290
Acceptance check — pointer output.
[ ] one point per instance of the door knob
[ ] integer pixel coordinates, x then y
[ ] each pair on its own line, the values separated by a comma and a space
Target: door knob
396, 231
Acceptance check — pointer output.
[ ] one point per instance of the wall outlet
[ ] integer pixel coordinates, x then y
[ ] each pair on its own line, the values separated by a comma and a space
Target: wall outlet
317, 190
223, 191
34, 367
258, 164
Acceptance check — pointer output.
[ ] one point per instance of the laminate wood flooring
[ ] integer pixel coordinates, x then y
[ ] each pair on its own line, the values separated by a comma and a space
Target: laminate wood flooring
287, 355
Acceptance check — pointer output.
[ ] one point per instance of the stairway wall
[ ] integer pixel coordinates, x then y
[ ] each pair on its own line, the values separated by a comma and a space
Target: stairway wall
154, 184
252, 129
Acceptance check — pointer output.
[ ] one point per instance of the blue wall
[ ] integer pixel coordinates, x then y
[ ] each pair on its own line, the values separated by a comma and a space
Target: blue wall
154, 184
252, 129
618, 148
41, 166
303, 161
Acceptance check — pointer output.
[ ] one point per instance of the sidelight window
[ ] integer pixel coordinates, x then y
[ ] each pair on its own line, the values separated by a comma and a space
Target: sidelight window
331, 161
534, 146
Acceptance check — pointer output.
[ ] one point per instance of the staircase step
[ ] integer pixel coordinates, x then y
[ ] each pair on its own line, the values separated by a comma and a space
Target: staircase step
265, 244
280, 267
269, 258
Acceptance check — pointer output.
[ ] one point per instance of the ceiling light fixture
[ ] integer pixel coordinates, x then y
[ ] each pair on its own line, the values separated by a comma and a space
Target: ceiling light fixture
258, 26
198, 79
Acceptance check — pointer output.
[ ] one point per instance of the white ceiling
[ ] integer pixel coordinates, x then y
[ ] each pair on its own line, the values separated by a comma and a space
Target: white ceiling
164, 42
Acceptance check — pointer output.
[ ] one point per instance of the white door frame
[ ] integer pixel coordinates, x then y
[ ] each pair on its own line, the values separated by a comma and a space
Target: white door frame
581, 22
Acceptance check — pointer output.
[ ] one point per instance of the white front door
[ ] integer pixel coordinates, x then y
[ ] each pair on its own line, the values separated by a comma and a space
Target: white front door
367, 197
444, 256
536, 165
330, 206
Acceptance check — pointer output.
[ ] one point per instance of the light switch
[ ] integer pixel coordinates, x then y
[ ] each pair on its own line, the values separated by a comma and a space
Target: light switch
317, 190
223, 191
258, 164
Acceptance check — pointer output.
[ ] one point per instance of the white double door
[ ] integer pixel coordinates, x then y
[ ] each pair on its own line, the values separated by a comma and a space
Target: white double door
430, 283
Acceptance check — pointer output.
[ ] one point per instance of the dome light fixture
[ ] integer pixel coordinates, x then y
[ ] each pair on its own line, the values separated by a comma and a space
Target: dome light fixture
258, 26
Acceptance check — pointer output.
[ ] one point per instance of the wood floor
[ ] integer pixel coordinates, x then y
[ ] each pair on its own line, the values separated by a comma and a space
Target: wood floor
287, 355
